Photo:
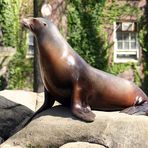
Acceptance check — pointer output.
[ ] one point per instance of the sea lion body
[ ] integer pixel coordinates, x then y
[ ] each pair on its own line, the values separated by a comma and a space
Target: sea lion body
71, 81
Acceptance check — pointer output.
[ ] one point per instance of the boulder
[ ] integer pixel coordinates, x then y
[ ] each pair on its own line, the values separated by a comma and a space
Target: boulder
57, 126
15, 107
11, 115
26, 98
29, 99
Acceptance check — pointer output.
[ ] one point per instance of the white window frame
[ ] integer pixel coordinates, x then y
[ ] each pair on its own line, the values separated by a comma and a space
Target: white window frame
126, 52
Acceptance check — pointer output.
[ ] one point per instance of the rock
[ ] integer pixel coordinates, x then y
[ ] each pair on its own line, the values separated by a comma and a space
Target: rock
11, 115
26, 98
15, 107
57, 126
29, 99
81, 145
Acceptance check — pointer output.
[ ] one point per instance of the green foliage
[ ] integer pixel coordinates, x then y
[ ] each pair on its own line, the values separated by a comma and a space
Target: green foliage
145, 81
9, 10
87, 33
143, 33
119, 68
143, 38
20, 68
116, 10
83, 32
20, 73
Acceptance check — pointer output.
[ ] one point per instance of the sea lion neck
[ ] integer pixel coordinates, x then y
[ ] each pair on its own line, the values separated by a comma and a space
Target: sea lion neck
50, 38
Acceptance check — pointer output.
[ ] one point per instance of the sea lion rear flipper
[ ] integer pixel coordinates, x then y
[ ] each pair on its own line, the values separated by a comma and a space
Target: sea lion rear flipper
137, 110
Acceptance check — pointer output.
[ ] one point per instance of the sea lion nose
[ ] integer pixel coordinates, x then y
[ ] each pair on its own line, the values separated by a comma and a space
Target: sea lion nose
25, 22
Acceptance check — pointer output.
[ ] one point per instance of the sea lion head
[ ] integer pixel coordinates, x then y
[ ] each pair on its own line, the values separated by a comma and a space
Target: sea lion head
36, 25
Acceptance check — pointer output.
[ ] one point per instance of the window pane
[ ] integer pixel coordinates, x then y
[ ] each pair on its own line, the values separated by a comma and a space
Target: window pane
120, 45
119, 36
137, 44
126, 36
126, 45
133, 45
133, 37
126, 56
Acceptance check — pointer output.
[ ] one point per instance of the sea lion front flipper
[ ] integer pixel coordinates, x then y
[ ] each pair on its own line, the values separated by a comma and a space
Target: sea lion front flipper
83, 113
80, 108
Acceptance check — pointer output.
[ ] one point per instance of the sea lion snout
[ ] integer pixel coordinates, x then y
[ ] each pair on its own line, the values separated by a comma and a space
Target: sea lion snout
28, 23
33, 24
25, 22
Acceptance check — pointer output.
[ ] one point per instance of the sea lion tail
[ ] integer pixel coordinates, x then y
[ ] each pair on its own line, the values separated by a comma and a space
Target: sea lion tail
140, 109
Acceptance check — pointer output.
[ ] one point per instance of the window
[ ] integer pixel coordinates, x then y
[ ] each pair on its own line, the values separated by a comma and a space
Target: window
126, 47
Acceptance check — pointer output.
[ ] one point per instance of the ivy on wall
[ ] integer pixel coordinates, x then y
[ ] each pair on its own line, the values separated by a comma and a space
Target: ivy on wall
20, 71
20, 68
143, 35
83, 32
87, 33
9, 10
21, 74
114, 12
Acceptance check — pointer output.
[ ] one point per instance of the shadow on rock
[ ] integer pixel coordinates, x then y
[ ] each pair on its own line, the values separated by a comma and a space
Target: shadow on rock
11, 115
57, 111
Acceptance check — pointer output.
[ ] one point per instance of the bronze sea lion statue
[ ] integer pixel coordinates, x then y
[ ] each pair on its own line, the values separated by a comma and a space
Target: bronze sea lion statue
69, 80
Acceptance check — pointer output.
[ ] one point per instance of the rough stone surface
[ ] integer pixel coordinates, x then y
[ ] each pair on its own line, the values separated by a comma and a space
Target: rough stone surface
11, 115
15, 107
81, 145
57, 126
26, 98
29, 99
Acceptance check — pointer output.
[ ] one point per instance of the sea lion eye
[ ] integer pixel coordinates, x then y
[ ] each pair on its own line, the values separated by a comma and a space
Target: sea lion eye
44, 24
